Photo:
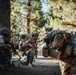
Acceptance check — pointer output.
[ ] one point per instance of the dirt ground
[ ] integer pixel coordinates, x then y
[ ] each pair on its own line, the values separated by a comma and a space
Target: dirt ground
43, 66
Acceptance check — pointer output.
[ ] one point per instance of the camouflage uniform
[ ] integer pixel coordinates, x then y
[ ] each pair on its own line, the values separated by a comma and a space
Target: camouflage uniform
30, 49
65, 68
66, 64
5, 47
33, 51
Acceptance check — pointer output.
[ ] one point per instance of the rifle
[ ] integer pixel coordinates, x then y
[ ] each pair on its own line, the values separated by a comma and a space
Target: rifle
40, 45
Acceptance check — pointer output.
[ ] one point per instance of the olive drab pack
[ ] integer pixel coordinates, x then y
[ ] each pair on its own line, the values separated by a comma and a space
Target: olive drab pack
45, 51
73, 38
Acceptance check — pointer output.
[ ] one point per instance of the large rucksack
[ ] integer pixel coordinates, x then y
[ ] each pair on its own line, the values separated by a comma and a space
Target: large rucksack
49, 40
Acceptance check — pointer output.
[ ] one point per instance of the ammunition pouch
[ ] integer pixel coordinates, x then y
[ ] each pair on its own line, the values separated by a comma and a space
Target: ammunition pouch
45, 51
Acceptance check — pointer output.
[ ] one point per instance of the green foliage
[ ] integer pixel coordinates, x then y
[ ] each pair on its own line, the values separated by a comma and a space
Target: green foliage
36, 13
63, 12
39, 20
19, 11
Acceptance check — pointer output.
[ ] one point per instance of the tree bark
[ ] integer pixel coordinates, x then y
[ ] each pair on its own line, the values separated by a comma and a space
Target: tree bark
5, 13
28, 17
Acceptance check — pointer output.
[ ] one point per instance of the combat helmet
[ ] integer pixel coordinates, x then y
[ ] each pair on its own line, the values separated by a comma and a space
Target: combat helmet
35, 34
4, 31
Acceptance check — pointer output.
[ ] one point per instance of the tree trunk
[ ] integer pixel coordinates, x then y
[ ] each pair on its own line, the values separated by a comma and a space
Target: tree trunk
28, 17
5, 13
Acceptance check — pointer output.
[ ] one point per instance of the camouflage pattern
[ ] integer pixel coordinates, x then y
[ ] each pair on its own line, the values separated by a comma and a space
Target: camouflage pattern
65, 68
5, 47
71, 61
66, 60
30, 48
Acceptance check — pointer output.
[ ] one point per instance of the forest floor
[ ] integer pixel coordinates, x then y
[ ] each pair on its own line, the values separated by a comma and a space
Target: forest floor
43, 66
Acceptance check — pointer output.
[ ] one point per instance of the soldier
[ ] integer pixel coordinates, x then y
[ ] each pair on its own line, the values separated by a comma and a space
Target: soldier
5, 47
67, 51
29, 46
35, 38
23, 39
66, 67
